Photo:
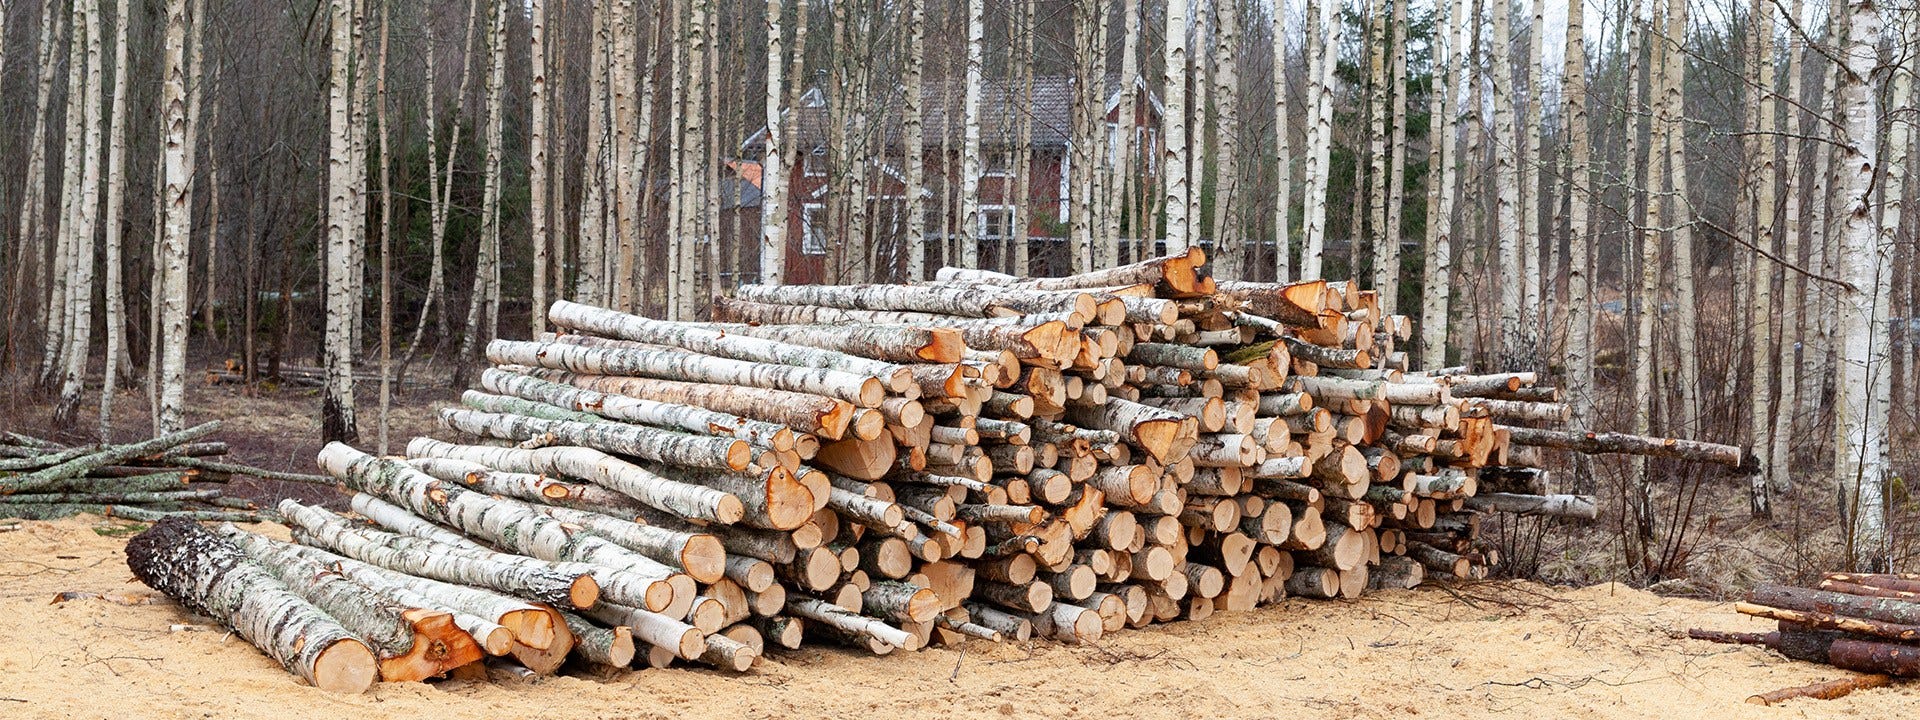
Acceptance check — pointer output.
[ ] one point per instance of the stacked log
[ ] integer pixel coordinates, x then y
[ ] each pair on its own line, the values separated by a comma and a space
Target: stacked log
179, 474
889, 467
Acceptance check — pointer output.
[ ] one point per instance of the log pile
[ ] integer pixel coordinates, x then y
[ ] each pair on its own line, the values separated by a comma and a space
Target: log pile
892, 467
1864, 622
179, 474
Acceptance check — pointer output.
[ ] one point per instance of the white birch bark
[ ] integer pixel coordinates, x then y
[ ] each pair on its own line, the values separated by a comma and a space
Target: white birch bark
86, 220
1386, 265
1173, 128
685, 418
1579, 352
681, 499
337, 406
1283, 152
1760, 306
591, 283
663, 446
970, 152
215, 578
32, 213
627, 178
537, 167
1532, 159
1515, 339
176, 223
1779, 477
1230, 248
1321, 147
1376, 44
1679, 218
773, 174
713, 342
1860, 426
1121, 175
116, 197
1437, 272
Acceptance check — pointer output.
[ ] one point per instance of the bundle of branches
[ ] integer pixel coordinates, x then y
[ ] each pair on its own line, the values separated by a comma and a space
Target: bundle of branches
1867, 623
894, 466
178, 474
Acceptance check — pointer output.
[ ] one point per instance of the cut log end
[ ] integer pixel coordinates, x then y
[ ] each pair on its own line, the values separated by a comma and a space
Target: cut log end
346, 666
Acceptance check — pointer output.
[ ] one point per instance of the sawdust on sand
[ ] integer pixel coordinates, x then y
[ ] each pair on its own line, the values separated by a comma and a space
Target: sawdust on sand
1490, 650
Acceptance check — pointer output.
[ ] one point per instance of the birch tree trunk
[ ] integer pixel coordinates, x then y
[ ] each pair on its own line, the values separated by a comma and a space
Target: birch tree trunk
773, 174
1321, 147
625, 204
1023, 154
1679, 217
177, 219
80, 304
1230, 252
1377, 42
1647, 296
590, 285
58, 322
1283, 153
440, 189
1579, 352
337, 406
970, 152
1121, 175
483, 301
1779, 477
32, 220
1437, 273
116, 197
537, 166
1173, 128
1515, 339
1386, 265
386, 228
1860, 464
1532, 159
1760, 307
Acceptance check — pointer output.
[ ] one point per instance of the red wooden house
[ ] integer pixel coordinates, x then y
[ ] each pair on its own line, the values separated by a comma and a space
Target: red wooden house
1046, 207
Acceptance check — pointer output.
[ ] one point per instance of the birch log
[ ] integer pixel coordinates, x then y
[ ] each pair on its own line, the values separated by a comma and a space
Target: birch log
682, 499
689, 367
208, 574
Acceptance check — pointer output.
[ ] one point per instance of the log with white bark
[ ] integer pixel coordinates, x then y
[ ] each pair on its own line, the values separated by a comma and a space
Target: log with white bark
685, 418
1622, 443
413, 643
683, 499
692, 337
213, 577
816, 414
864, 391
513, 575
693, 451
1571, 506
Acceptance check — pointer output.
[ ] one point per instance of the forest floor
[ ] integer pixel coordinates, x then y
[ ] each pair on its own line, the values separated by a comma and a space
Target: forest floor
1501, 649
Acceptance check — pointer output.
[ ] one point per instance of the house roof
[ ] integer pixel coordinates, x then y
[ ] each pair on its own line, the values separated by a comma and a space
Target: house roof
1050, 107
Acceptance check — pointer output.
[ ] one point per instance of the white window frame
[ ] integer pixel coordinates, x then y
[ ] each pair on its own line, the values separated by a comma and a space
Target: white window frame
1012, 217
813, 239
814, 164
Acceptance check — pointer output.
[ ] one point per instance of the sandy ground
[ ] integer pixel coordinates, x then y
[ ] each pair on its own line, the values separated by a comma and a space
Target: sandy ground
1497, 649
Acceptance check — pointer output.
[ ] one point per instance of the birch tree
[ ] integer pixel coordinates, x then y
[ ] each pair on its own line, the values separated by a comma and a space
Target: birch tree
970, 153
1282, 152
1122, 174
483, 301
1679, 217
337, 406
537, 158
1377, 43
773, 174
1779, 477
1437, 276
440, 190
116, 310
1860, 425
1321, 145
1579, 352
85, 219
1230, 252
1515, 337
1760, 306
1173, 129
1386, 264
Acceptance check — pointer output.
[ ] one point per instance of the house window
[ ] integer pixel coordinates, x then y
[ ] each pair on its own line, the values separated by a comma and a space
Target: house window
813, 229
815, 163
996, 221
999, 164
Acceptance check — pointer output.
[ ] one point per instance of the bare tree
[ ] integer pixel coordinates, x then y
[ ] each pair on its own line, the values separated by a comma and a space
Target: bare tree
1282, 151
1579, 352
1230, 252
1860, 419
116, 196
1679, 217
537, 159
1173, 130
85, 220
1320, 146
970, 153
337, 406
1437, 275
773, 178
1760, 177
1514, 334
1386, 264
1779, 477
